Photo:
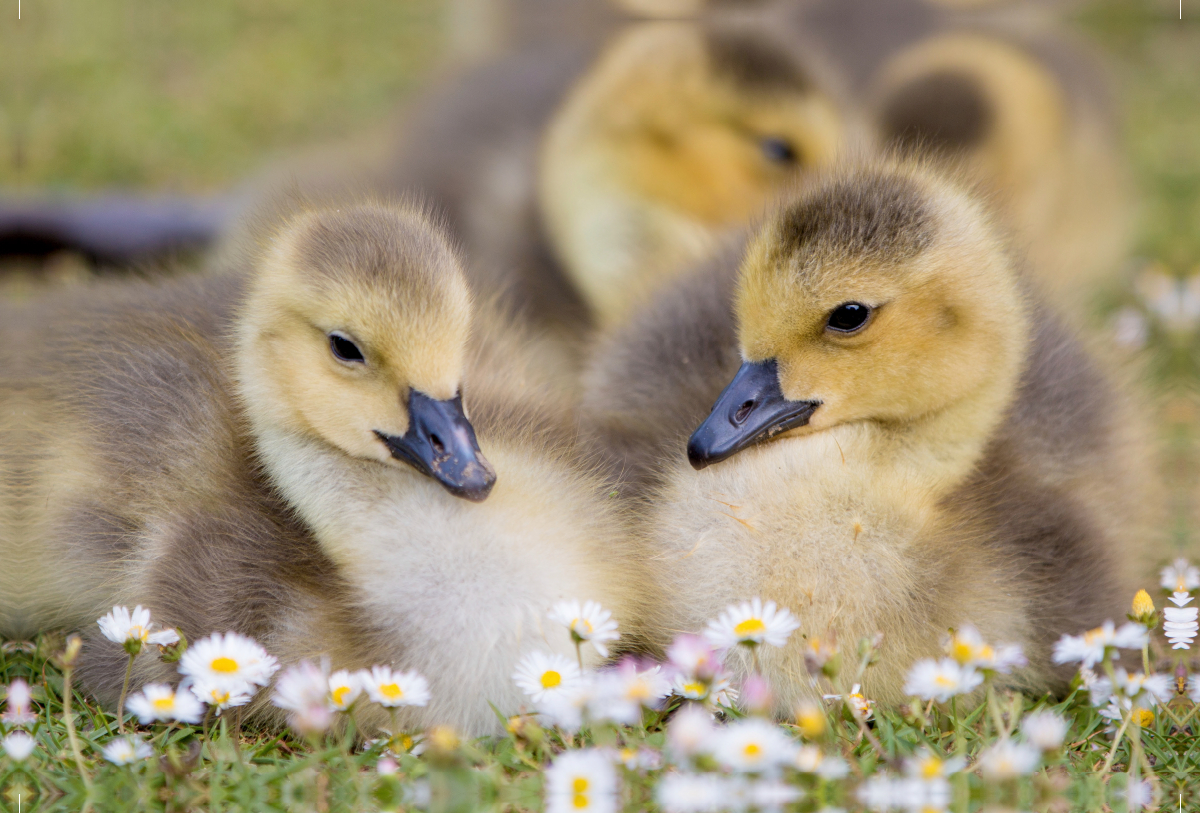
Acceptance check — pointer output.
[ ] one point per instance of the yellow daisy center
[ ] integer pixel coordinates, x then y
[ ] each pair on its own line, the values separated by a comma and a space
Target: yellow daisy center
391, 691
550, 679
751, 626
942, 680
219, 697
931, 768
1143, 717
136, 632
582, 625
752, 750
339, 693
1091, 636
580, 785
694, 688
164, 703
962, 651
580, 801
224, 664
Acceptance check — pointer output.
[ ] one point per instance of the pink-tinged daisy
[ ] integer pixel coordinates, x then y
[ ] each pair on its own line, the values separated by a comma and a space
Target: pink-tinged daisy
581, 781
394, 689
133, 629
749, 624
126, 750
941, 680
19, 710
694, 658
1090, 648
303, 690
587, 622
158, 701
541, 674
231, 660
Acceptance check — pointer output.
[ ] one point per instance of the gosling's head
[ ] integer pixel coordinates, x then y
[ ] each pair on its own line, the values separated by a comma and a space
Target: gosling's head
354, 333
678, 132
878, 294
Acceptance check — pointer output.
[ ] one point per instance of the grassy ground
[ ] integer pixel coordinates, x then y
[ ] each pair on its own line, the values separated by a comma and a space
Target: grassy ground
191, 97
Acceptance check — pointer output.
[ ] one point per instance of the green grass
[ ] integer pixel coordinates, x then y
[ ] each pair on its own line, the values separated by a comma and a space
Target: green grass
213, 770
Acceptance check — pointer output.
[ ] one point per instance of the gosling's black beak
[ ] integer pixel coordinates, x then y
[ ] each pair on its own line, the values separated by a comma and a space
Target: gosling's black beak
752, 408
440, 442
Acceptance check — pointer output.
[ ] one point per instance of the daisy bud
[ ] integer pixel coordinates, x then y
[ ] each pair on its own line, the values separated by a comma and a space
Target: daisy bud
173, 652
71, 653
810, 719
1143, 611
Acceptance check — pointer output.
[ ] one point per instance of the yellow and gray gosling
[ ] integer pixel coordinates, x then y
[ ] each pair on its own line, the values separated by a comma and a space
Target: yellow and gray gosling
905, 440
284, 450
678, 133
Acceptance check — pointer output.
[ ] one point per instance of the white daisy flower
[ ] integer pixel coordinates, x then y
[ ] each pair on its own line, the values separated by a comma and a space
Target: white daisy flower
967, 647
1180, 576
589, 622
694, 658
222, 695
540, 674
693, 793
392, 689
19, 745
158, 701
133, 629
691, 732
344, 688
581, 781
564, 707
751, 623
941, 680
639, 759
1045, 729
19, 709
1090, 648
1146, 690
753, 745
126, 750
231, 660
1007, 759
1179, 622
621, 693
925, 764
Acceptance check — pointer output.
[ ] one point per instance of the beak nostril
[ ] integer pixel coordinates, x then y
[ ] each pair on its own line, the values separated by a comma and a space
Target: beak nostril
438, 446
743, 411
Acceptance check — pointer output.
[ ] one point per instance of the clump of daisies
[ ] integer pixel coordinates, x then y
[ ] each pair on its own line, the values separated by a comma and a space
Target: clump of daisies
133, 630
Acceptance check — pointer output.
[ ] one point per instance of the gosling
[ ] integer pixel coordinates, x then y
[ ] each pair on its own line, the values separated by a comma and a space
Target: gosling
284, 450
906, 440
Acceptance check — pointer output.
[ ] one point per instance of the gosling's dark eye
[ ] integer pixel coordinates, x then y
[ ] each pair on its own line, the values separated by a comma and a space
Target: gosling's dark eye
343, 349
848, 317
778, 150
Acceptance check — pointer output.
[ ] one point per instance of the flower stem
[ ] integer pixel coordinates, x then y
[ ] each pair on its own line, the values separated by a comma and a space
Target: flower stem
70, 723
124, 694
1112, 754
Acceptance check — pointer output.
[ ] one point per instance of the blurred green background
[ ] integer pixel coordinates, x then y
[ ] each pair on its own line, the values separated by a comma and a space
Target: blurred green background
193, 97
